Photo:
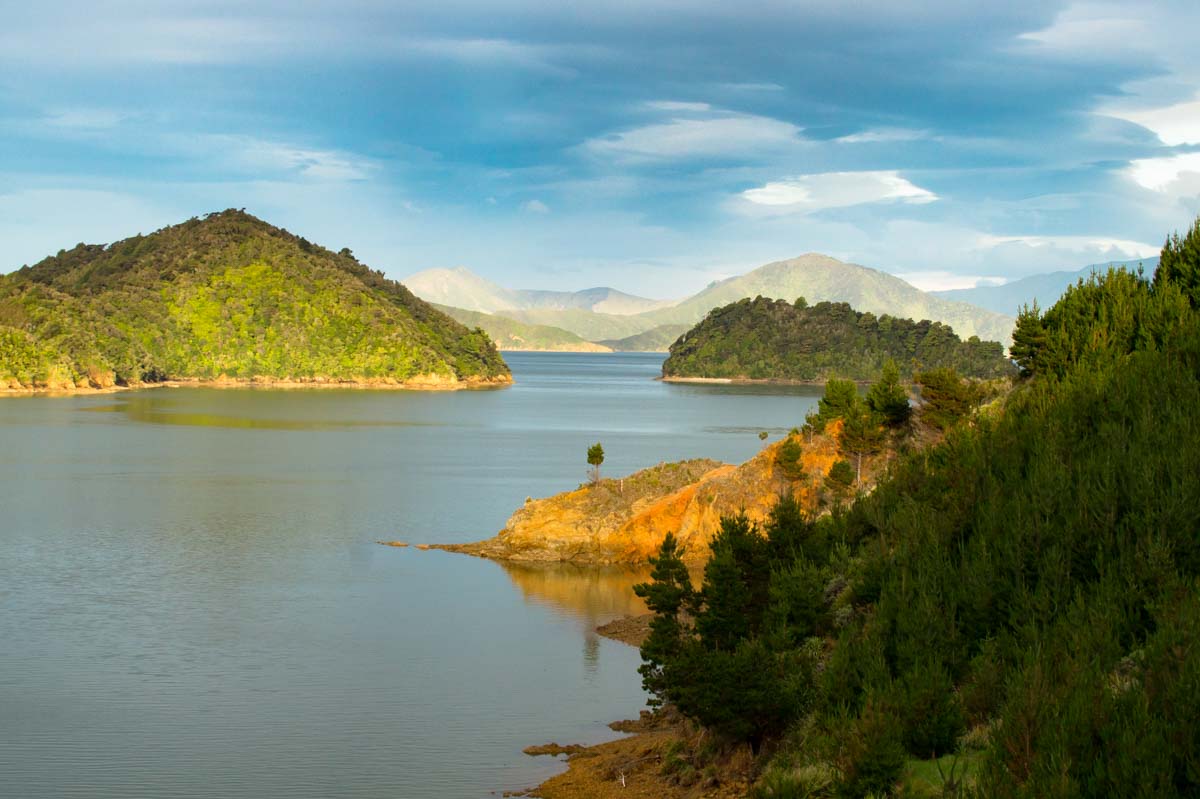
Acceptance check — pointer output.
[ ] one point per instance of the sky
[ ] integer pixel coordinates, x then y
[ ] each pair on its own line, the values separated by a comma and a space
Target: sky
649, 145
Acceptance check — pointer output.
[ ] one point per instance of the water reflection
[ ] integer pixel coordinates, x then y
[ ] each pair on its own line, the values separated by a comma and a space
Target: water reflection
153, 409
593, 594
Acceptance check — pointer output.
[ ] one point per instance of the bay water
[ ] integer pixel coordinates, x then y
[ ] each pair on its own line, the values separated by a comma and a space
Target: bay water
193, 602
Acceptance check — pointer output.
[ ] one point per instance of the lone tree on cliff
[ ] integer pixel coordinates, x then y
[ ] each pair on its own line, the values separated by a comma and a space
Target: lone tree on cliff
595, 457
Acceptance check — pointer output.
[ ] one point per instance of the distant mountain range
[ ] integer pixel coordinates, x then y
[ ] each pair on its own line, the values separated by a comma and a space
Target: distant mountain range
618, 320
1045, 289
462, 288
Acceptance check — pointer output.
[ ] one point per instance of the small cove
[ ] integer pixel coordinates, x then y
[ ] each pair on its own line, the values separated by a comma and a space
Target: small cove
192, 603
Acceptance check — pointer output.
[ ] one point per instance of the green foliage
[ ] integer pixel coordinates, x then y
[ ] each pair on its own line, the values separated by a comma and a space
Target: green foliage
788, 459
873, 756
230, 295
1098, 320
861, 435
747, 693
595, 457
841, 397
668, 595
929, 709
1029, 338
1179, 264
841, 474
946, 397
888, 399
1036, 574
774, 339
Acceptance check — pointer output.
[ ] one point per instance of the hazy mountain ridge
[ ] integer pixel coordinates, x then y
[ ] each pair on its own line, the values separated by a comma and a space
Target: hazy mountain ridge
225, 297
461, 288
511, 334
1045, 289
817, 278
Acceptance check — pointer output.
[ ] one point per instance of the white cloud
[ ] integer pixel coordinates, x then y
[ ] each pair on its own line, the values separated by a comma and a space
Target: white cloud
722, 135
1173, 124
1085, 245
883, 135
1094, 29
677, 105
1165, 174
944, 281
808, 193
535, 207
251, 154
750, 87
87, 119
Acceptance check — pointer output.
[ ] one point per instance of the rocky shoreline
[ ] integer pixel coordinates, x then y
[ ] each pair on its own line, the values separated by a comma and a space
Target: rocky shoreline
749, 381
624, 521
430, 382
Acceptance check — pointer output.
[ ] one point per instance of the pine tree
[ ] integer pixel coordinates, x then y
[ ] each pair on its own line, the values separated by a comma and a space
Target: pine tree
788, 459
840, 397
1179, 263
861, 436
595, 457
669, 596
946, 397
888, 399
723, 622
1029, 338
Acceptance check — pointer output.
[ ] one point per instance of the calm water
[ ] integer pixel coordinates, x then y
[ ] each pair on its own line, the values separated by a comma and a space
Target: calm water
192, 603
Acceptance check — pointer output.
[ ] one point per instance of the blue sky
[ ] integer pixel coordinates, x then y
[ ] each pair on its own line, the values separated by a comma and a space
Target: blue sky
653, 145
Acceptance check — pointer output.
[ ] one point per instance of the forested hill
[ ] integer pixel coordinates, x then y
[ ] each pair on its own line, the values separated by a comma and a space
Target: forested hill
764, 339
1011, 613
227, 295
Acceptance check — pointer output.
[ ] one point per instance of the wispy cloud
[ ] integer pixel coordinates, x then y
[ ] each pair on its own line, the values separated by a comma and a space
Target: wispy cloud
808, 193
944, 281
1094, 245
1178, 123
535, 207
883, 136
719, 135
676, 105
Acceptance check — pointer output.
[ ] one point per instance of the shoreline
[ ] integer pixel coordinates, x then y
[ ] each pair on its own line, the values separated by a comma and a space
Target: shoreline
418, 383
749, 381
645, 764
605, 351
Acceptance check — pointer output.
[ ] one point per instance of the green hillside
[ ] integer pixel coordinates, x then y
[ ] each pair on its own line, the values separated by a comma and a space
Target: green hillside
824, 279
586, 324
509, 334
779, 340
227, 295
656, 339
1013, 612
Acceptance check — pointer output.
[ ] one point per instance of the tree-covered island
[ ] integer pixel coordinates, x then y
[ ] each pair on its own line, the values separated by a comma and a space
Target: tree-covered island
227, 297
764, 339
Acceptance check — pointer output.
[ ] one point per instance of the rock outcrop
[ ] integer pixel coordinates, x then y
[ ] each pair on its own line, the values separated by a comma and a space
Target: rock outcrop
625, 521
